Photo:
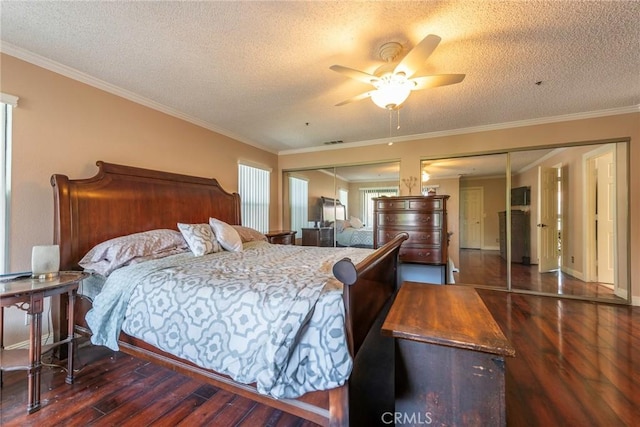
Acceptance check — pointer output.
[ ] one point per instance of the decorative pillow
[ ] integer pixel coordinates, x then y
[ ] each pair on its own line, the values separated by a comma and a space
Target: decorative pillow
341, 224
227, 236
111, 254
355, 222
200, 238
248, 234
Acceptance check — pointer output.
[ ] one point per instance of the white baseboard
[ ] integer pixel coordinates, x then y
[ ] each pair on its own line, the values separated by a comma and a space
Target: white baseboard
571, 272
635, 300
622, 293
24, 345
490, 248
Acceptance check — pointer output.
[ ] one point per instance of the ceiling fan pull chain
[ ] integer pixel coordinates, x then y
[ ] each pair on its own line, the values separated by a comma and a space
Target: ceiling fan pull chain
398, 128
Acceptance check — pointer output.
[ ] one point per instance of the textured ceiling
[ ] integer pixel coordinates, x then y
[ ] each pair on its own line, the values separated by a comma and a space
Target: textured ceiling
259, 71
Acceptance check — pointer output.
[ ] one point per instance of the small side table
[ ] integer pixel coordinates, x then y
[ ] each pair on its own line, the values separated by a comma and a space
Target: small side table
322, 236
282, 237
28, 294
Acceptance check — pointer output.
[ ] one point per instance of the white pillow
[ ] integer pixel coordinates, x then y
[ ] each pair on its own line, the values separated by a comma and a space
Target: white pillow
227, 236
355, 222
200, 238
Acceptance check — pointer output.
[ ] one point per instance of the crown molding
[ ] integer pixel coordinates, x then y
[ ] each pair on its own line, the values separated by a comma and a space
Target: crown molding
474, 129
74, 74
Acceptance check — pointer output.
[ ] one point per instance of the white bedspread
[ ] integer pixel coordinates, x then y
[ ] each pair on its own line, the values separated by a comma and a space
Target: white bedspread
269, 315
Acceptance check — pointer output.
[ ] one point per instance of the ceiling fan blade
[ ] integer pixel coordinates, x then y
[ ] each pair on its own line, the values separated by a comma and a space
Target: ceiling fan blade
355, 98
436, 80
414, 60
355, 74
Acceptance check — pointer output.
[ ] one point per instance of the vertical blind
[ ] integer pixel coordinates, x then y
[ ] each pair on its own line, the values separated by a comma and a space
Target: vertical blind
343, 196
366, 200
7, 103
299, 202
253, 187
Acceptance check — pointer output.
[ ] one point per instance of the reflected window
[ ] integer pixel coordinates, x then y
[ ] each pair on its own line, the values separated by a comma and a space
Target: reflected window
299, 203
366, 200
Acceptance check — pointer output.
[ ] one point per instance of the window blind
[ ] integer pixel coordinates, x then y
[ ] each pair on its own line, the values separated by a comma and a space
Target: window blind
253, 187
7, 103
366, 200
299, 203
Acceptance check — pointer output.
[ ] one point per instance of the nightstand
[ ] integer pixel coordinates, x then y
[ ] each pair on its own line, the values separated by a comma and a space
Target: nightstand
282, 237
322, 236
28, 294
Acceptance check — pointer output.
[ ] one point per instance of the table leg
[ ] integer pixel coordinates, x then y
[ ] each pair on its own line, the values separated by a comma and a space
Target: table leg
35, 352
70, 337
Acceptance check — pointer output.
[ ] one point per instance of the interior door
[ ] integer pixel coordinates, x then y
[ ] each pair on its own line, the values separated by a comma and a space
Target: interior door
605, 217
470, 218
547, 224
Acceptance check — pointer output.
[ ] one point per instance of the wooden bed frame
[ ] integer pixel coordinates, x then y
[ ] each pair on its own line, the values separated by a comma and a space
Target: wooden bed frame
121, 200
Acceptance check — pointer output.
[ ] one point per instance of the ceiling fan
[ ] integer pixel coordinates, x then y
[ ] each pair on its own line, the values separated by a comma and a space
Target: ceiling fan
393, 85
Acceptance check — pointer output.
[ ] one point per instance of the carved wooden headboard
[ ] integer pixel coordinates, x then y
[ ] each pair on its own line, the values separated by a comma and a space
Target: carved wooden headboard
121, 200
331, 209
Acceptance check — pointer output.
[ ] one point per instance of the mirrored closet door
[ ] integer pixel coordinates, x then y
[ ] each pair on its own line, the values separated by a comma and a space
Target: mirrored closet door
551, 221
332, 206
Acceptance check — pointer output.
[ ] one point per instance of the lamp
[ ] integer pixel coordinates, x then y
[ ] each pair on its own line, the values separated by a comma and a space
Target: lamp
425, 176
391, 91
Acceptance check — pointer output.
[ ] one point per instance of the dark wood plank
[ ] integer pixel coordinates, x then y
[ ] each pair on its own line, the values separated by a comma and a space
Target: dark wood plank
453, 316
576, 363
490, 270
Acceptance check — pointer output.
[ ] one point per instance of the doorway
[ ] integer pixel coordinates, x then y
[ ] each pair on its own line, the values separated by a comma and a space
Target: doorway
549, 217
600, 211
471, 209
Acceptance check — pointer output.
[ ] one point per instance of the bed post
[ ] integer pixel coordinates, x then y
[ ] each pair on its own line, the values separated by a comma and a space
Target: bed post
371, 283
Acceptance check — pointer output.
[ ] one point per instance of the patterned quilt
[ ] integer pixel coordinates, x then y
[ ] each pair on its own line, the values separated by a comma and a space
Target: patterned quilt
356, 237
271, 314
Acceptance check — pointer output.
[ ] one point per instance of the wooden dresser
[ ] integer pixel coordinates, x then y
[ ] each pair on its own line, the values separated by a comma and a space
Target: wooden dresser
423, 217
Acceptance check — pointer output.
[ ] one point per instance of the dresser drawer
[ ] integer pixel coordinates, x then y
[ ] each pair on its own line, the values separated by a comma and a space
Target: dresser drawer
410, 219
425, 237
391, 204
422, 255
426, 204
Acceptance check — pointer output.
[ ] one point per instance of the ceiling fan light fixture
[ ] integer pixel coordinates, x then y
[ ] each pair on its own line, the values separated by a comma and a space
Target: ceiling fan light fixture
391, 91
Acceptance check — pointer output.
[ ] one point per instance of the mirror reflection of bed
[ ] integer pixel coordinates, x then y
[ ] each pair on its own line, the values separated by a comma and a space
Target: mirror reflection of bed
349, 231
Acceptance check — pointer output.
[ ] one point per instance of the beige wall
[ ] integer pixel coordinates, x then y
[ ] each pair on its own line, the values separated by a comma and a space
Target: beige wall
64, 126
411, 152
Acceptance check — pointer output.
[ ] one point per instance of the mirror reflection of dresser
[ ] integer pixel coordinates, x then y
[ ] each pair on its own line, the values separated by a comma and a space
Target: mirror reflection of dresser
520, 236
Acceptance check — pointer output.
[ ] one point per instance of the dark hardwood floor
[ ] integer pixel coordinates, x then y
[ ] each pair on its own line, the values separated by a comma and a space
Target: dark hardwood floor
577, 364
489, 269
